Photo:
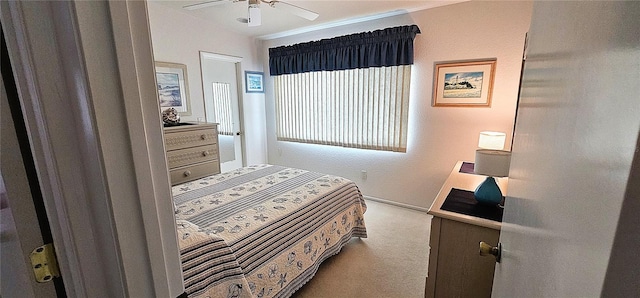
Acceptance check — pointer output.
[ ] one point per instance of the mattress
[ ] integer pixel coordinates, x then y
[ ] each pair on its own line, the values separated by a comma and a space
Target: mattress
262, 231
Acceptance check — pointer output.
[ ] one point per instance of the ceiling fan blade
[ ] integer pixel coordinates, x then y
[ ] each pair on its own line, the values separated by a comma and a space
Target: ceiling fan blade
205, 4
297, 10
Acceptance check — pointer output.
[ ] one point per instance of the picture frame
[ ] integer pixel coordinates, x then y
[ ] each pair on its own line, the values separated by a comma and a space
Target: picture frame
254, 81
173, 87
463, 83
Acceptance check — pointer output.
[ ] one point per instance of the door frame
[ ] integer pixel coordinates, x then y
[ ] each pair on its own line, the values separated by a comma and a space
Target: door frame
102, 166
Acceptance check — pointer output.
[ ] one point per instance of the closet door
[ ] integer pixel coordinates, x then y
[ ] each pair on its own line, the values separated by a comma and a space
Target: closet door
222, 101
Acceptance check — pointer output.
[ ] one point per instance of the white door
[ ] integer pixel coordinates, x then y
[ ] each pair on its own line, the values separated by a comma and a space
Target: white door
19, 228
573, 150
222, 104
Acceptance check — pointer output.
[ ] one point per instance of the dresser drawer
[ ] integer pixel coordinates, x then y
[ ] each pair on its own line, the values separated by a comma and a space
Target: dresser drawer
188, 173
183, 157
191, 138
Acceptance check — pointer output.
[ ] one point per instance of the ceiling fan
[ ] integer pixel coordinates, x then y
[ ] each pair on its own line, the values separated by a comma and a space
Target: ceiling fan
254, 16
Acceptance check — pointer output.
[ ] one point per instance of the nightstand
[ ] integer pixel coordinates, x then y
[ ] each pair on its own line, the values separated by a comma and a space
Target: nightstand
456, 268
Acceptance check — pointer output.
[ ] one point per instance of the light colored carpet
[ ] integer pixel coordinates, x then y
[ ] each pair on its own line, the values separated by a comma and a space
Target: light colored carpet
391, 262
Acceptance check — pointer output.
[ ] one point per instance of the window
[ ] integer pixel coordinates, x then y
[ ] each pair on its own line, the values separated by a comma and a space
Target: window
350, 91
361, 108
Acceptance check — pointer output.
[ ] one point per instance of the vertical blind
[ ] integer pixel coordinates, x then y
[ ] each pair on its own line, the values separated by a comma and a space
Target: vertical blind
222, 110
363, 108
360, 100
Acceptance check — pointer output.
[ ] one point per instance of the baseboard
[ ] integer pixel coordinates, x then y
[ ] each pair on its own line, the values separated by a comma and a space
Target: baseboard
421, 209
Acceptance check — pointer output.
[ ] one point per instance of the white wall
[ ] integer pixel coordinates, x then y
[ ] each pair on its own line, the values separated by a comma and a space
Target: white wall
178, 38
438, 137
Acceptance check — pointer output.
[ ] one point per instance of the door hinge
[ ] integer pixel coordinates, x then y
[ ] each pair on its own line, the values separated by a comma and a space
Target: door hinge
44, 263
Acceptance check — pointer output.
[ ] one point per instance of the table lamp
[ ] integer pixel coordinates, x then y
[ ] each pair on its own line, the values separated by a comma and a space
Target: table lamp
492, 163
491, 140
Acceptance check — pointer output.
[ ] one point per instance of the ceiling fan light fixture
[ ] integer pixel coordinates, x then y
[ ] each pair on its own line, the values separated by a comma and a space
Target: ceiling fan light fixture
254, 17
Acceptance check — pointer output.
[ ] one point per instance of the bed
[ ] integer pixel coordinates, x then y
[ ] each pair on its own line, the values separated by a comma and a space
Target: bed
262, 231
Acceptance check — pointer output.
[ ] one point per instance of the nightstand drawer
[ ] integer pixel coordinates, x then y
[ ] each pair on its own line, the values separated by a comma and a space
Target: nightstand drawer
188, 173
192, 138
183, 157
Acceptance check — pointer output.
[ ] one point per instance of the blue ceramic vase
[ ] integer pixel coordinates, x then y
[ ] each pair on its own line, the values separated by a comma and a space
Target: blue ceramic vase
488, 192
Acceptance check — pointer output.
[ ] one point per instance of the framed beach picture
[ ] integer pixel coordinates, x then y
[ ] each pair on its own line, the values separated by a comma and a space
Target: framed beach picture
463, 84
254, 81
173, 89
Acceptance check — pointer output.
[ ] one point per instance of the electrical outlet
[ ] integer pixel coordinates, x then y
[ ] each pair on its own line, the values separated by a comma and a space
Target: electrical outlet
363, 175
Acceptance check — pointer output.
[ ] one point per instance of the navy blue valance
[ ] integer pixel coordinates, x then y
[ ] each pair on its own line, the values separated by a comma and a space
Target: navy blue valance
386, 47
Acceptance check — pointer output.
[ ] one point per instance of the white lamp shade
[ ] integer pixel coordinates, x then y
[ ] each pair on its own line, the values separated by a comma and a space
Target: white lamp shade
492, 140
494, 163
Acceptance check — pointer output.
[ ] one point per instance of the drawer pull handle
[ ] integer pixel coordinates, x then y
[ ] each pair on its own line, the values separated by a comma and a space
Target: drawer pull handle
205, 153
204, 137
187, 173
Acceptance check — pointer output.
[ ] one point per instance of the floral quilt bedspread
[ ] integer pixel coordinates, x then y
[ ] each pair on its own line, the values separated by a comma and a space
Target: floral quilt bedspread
262, 231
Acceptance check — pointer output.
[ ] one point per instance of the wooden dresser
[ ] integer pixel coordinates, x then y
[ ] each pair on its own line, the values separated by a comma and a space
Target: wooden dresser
456, 268
192, 151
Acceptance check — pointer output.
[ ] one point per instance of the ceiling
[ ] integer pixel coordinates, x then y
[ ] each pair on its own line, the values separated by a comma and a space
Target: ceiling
278, 23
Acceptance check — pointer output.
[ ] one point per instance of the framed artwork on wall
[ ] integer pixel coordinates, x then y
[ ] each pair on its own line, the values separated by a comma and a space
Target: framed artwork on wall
173, 88
254, 81
463, 84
